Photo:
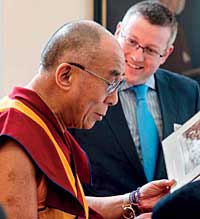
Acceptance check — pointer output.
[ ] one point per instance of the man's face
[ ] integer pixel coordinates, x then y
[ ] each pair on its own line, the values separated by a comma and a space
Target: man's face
143, 45
91, 96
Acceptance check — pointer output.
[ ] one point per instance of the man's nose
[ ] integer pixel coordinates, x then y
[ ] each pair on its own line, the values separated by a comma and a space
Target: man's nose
137, 54
112, 98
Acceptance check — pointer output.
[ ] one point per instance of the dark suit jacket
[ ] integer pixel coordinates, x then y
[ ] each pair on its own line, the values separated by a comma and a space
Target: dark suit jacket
115, 166
183, 203
2, 213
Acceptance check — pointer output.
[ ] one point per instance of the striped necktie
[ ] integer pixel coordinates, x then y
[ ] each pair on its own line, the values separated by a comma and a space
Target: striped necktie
147, 131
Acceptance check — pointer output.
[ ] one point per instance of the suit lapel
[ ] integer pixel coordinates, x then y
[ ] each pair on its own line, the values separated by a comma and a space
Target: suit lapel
168, 102
168, 107
117, 122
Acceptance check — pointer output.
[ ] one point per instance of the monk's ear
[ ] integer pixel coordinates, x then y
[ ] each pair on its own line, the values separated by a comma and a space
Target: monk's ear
63, 75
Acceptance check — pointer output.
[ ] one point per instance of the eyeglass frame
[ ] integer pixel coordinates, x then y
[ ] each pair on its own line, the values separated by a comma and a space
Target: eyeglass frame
112, 86
144, 49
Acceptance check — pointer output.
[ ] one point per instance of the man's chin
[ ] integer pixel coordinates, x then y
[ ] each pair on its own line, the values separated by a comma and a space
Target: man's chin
135, 81
88, 125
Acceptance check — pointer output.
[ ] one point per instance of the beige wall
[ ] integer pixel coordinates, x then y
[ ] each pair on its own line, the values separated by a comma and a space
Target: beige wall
27, 24
1, 46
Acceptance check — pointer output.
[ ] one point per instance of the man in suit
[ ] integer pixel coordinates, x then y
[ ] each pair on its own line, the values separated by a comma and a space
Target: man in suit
146, 35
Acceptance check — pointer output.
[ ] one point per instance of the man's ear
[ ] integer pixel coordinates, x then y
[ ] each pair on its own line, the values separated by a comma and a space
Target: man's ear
63, 76
167, 54
118, 28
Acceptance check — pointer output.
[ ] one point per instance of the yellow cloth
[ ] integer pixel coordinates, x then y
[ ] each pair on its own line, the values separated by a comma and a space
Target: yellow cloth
45, 212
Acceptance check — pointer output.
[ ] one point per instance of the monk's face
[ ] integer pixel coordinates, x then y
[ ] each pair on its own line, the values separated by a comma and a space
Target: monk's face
95, 88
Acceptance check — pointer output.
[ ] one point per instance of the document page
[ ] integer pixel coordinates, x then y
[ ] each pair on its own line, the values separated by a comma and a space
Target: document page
182, 152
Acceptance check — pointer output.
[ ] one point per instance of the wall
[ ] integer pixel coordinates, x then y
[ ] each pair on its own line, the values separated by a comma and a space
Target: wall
27, 24
1, 45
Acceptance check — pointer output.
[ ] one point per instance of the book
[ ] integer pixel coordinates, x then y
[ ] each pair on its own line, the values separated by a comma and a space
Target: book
182, 152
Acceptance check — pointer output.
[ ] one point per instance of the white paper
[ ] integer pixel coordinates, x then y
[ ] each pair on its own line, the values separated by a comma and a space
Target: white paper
182, 152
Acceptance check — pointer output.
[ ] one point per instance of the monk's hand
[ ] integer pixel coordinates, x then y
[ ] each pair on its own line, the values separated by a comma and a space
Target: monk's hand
152, 192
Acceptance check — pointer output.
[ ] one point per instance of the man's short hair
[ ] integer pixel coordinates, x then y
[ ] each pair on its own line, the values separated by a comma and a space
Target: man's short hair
155, 13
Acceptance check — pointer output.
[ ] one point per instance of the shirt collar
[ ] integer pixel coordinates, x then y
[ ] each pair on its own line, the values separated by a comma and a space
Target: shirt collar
150, 82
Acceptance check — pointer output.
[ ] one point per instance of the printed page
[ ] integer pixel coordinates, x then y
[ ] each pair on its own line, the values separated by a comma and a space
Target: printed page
182, 152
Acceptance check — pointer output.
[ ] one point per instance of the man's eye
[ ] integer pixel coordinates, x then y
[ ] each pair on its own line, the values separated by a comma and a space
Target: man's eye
151, 51
132, 42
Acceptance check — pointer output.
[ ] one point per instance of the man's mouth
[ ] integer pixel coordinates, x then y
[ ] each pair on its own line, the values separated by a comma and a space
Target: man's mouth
99, 116
134, 66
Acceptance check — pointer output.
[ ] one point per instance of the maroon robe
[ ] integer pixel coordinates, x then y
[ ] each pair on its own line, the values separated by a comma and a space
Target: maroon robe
41, 149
